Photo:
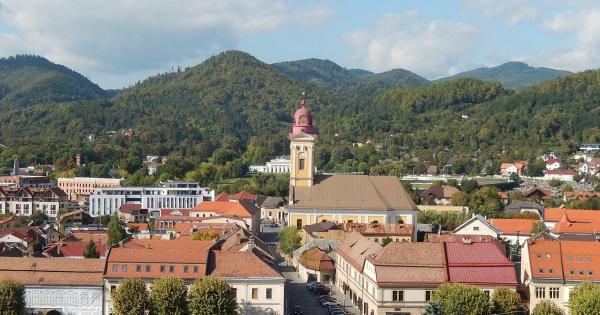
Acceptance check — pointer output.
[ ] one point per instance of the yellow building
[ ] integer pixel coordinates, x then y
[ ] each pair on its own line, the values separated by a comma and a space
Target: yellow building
339, 198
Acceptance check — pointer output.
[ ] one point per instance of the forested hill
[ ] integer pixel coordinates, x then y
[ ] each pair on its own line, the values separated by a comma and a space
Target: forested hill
27, 80
214, 119
326, 73
512, 75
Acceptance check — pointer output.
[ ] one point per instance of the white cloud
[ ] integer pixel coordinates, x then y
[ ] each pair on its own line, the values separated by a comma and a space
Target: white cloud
585, 53
512, 11
429, 48
127, 36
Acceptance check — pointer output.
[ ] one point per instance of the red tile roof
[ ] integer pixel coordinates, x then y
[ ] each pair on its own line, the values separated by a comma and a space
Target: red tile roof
228, 208
565, 260
174, 212
241, 264
52, 271
222, 197
479, 263
316, 259
560, 172
582, 226
514, 226
129, 207
6, 219
17, 234
440, 192
243, 195
555, 214
72, 249
140, 225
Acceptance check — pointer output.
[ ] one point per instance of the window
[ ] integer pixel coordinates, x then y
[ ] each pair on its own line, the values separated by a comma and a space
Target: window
185, 268
581, 272
148, 268
195, 269
397, 296
269, 293
171, 268
590, 272
233, 293
115, 267
540, 292
486, 292
587, 258
301, 164
538, 255
541, 270
162, 268
123, 268
554, 293
550, 270
571, 271
428, 294
299, 224
138, 268
254, 293
475, 228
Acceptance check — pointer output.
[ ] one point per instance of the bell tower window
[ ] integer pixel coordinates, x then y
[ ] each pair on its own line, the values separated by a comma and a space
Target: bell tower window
301, 164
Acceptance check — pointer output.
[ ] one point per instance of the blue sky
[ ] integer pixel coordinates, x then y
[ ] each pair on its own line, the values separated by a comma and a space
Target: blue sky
116, 43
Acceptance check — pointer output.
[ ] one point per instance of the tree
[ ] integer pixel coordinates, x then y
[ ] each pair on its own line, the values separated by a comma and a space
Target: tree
485, 201
91, 251
12, 297
468, 185
386, 240
461, 299
459, 199
38, 218
585, 299
289, 240
546, 307
130, 297
205, 235
554, 183
505, 300
537, 227
168, 296
514, 177
433, 308
211, 296
115, 230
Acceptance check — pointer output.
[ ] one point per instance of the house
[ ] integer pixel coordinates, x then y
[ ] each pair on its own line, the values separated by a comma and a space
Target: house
516, 231
563, 175
553, 215
572, 226
504, 197
316, 265
378, 232
12, 237
441, 194
131, 212
62, 285
243, 209
72, 249
478, 225
243, 195
579, 195
553, 164
591, 167
5, 221
518, 168
523, 207
401, 277
78, 189
339, 198
537, 194
75, 217
278, 165
550, 269
273, 208
26, 201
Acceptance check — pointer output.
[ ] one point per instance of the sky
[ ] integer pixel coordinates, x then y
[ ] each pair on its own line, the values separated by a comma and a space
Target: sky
117, 43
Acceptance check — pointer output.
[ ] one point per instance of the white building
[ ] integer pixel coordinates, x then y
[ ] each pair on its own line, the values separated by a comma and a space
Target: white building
169, 195
26, 201
278, 165
553, 164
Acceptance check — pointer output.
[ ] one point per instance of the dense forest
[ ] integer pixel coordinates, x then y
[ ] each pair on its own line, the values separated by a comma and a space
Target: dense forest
232, 110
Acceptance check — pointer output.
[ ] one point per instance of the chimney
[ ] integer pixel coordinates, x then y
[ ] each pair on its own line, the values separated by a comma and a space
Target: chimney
58, 248
238, 239
251, 243
466, 240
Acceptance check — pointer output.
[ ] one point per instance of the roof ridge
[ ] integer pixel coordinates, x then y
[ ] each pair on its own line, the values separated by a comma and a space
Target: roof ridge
384, 200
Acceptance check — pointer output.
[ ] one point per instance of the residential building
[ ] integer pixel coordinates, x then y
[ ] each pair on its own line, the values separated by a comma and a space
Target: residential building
62, 285
315, 265
524, 207
478, 225
26, 201
441, 194
579, 195
563, 175
550, 269
339, 198
552, 216
244, 209
22, 181
591, 167
278, 165
133, 212
401, 277
79, 189
573, 223
516, 231
538, 194
379, 233
590, 147
518, 168
169, 195
553, 164
273, 208
153, 162
75, 217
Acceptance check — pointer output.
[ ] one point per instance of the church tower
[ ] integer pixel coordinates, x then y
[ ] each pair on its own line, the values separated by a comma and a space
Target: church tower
302, 141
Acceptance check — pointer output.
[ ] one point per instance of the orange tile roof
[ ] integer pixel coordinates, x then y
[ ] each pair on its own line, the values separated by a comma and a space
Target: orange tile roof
156, 254
581, 194
565, 260
52, 271
582, 226
555, 214
316, 259
241, 264
222, 197
140, 225
243, 195
228, 208
514, 226
6, 219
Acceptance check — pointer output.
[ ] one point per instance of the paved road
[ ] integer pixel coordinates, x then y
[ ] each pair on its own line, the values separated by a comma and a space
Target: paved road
296, 293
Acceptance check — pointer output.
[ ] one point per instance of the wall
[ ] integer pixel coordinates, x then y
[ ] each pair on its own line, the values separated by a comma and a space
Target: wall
66, 300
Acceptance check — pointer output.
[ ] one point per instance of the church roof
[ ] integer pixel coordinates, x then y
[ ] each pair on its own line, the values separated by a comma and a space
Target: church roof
353, 192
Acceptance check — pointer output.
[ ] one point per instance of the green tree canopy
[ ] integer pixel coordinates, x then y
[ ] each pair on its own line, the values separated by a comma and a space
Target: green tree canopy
461, 299
505, 301
115, 230
210, 296
12, 298
38, 217
91, 251
289, 240
585, 299
168, 296
130, 297
547, 307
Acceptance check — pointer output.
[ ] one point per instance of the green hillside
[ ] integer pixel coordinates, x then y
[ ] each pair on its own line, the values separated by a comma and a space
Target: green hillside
27, 80
214, 119
512, 75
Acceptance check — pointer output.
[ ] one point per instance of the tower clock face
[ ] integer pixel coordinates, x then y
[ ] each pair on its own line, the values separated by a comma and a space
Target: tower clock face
303, 120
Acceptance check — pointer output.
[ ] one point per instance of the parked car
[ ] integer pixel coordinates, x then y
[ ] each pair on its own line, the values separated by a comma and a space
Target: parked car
298, 310
329, 303
321, 290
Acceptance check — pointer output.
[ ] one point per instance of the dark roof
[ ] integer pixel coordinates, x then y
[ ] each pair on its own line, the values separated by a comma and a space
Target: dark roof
271, 202
320, 227
440, 191
517, 206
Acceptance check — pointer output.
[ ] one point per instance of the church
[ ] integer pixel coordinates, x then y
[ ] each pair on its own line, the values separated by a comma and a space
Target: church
339, 198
